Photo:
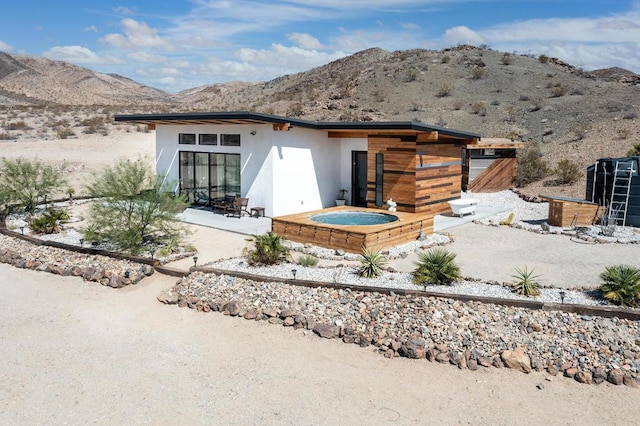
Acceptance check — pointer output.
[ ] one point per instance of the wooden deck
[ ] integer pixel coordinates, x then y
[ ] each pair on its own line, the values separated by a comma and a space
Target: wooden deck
300, 228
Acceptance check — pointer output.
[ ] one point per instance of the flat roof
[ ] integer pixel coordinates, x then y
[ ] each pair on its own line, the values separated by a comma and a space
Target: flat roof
246, 117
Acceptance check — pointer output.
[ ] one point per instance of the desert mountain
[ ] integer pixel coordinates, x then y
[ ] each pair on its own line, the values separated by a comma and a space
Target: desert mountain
572, 114
36, 80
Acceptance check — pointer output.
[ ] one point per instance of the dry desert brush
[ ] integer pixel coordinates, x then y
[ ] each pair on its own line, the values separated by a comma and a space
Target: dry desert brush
372, 263
436, 266
621, 284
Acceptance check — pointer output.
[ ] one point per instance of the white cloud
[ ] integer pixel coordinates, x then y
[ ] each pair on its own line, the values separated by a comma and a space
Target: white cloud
305, 41
463, 35
137, 35
147, 57
124, 10
91, 28
5, 47
79, 55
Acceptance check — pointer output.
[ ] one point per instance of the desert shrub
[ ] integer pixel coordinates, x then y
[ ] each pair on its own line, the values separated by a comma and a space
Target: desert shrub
479, 108
506, 59
543, 59
295, 110
92, 121
523, 97
580, 129
623, 133
513, 134
577, 92
568, 172
17, 125
513, 113
525, 282
372, 263
630, 115
307, 260
412, 75
135, 208
621, 284
495, 103
531, 165
634, 151
536, 104
5, 136
548, 131
28, 181
379, 96
436, 266
457, 105
477, 73
49, 222
444, 91
268, 249
558, 91
64, 133
445, 59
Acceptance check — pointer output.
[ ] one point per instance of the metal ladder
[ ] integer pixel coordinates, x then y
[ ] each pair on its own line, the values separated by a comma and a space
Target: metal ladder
620, 190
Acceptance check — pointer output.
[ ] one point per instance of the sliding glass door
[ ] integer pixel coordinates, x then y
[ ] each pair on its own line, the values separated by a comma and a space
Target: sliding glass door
206, 176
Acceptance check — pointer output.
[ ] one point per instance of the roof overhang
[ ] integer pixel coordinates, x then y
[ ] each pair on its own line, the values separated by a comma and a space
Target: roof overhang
285, 123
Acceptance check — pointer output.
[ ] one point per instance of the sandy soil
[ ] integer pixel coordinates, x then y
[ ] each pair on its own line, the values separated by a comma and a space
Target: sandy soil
76, 352
84, 155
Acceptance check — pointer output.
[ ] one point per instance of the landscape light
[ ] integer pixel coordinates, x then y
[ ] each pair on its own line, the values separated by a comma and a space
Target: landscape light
294, 272
81, 242
22, 229
562, 295
195, 261
153, 252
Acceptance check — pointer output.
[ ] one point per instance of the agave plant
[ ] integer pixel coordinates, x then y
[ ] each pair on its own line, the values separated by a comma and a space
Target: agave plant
268, 249
436, 266
372, 262
621, 284
526, 284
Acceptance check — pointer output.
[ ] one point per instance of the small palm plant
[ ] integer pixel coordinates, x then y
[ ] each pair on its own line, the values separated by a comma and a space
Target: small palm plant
268, 249
526, 283
436, 266
372, 262
621, 284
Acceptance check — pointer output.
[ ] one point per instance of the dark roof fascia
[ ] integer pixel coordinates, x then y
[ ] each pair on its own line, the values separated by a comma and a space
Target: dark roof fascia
318, 125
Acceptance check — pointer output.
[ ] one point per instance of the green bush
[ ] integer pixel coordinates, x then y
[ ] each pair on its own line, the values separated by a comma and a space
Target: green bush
268, 249
372, 262
526, 284
568, 172
28, 181
531, 166
634, 151
436, 266
621, 284
307, 260
49, 222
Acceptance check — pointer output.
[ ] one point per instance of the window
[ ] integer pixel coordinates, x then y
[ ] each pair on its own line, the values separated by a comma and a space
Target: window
187, 138
207, 176
207, 139
230, 140
379, 178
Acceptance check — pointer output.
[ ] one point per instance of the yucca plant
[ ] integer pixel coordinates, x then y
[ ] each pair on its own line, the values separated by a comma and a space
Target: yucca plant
49, 222
621, 284
372, 262
436, 266
268, 249
307, 260
526, 283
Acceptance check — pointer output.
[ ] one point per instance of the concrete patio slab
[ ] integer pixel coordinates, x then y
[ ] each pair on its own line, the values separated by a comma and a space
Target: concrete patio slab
245, 225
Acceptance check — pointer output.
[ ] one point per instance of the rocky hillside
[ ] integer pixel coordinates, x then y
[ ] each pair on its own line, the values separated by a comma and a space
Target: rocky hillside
570, 113
35, 80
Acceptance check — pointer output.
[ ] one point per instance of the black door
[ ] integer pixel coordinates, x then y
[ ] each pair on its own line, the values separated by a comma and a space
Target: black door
359, 178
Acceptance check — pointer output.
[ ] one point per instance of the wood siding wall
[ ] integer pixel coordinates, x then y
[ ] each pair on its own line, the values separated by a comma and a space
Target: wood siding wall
500, 175
421, 173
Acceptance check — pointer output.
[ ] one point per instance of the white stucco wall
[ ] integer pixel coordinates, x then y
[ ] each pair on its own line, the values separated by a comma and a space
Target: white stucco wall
284, 171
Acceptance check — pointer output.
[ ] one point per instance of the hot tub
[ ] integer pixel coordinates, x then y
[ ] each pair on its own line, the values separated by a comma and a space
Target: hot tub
354, 218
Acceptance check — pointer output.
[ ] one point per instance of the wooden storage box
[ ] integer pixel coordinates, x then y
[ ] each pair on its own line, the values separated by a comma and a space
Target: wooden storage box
567, 212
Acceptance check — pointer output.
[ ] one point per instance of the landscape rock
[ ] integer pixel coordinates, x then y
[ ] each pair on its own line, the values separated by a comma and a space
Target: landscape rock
517, 359
326, 330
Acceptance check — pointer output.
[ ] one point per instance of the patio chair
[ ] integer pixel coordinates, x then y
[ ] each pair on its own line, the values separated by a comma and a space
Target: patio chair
223, 204
241, 205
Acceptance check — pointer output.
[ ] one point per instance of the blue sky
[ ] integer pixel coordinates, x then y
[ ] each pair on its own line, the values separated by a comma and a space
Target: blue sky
179, 44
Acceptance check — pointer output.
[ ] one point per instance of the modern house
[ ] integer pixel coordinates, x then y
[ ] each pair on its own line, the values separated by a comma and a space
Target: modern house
294, 168
289, 166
